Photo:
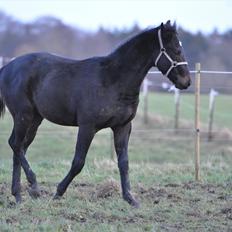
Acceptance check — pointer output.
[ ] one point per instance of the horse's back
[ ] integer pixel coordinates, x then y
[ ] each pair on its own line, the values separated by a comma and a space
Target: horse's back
22, 77
61, 90
30, 69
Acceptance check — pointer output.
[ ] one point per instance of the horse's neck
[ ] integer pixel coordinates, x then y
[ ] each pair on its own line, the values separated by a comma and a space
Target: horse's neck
133, 60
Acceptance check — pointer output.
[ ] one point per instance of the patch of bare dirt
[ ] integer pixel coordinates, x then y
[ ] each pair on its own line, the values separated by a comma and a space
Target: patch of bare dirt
227, 212
3, 188
75, 217
109, 188
225, 133
199, 201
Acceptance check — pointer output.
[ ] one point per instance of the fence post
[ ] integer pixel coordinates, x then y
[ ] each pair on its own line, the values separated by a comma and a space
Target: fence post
1, 61
212, 95
177, 107
145, 109
111, 145
197, 121
145, 100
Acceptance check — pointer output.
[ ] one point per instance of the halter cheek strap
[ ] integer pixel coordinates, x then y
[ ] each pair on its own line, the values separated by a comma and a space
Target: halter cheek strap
174, 63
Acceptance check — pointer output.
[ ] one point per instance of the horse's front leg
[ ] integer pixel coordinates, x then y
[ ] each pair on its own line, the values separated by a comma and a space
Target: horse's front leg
85, 136
121, 138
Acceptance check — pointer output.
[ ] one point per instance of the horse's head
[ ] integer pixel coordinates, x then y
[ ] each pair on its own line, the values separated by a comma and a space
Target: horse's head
170, 59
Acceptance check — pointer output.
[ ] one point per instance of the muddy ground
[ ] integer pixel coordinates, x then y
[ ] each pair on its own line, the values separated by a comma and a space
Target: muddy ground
188, 206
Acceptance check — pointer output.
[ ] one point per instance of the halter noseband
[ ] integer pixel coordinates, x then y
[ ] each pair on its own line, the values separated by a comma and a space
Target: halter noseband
174, 63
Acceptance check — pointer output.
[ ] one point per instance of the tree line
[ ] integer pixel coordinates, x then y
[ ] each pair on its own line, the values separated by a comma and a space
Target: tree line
51, 34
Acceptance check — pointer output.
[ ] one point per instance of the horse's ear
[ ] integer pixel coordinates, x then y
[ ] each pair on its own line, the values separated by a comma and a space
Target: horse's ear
162, 26
168, 28
168, 23
174, 25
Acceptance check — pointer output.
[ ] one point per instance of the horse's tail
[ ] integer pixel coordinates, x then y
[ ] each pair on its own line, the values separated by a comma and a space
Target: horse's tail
2, 103
2, 106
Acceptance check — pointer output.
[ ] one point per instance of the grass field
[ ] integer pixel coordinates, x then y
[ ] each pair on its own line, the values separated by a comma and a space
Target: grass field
161, 171
163, 104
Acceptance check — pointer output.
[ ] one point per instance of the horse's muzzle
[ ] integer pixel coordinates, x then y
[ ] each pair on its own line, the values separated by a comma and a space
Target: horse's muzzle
183, 84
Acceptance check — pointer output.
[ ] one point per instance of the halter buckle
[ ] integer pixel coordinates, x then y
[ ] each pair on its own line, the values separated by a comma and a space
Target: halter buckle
174, 64
162, 50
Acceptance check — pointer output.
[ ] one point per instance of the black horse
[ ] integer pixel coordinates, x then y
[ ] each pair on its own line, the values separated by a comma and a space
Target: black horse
92, 94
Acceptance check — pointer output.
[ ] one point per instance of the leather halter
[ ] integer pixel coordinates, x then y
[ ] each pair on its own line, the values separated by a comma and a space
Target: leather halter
174, 63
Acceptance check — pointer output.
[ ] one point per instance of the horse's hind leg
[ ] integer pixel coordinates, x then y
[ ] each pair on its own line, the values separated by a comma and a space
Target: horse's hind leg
16, 143
30, 135
22, 124
16, 175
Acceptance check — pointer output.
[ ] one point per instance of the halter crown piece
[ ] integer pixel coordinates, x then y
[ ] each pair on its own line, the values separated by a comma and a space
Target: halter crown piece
174, 63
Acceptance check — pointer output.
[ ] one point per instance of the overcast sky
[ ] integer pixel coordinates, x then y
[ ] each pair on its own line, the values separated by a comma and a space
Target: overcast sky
192, 15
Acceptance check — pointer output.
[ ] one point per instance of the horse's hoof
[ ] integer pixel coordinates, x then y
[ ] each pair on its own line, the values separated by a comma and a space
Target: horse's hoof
34, 193
135, 204
18, 199
130, 199
56, 197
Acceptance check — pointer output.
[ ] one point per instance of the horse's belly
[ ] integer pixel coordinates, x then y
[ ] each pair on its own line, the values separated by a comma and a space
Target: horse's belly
61, 121
115, 116
57, 112
62, 118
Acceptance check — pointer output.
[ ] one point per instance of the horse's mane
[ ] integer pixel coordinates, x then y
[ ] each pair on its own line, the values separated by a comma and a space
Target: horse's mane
168, 27
134, 39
